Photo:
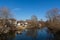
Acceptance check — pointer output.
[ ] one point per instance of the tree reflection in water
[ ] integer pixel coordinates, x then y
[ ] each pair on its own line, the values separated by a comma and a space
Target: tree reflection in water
32, 33
7, 36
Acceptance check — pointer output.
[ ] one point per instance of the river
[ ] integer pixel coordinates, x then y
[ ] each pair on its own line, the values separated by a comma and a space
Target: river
42, 34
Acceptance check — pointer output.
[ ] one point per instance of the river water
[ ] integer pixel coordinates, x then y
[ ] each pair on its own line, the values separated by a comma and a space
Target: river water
42, 34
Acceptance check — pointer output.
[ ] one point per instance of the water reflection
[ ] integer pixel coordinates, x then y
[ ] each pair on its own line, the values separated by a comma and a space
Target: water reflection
42, 34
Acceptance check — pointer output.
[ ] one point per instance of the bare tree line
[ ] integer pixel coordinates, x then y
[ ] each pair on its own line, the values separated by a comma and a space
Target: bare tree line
53, 22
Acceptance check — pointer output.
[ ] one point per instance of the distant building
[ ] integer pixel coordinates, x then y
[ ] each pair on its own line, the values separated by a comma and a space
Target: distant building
13, 21
21, 25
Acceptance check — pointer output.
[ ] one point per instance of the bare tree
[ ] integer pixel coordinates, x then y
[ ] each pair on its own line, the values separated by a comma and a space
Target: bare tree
52, 14
34, 18
5, 14
53, 22
54, 18
33, 26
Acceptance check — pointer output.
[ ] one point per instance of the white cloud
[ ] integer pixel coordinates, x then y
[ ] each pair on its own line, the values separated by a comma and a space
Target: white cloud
16, 9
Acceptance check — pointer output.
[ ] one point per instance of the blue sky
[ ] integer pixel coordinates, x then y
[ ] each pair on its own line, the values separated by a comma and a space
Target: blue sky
24, 9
